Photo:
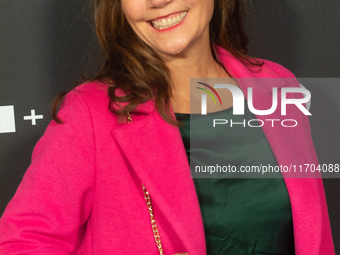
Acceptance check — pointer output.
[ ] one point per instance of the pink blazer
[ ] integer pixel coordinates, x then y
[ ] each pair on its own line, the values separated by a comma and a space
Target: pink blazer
83, 194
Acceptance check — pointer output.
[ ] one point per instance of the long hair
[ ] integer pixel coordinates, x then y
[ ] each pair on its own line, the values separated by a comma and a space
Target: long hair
133, 67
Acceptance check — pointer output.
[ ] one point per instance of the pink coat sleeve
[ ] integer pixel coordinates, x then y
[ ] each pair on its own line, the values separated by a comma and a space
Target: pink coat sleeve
49, 211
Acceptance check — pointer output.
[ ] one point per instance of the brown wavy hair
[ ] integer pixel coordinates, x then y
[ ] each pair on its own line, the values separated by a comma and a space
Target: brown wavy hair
137, 70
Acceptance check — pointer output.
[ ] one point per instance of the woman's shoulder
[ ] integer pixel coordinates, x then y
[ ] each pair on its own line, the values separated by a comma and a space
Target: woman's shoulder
275, 69
89, 99
90, 90
264, 69
91, 93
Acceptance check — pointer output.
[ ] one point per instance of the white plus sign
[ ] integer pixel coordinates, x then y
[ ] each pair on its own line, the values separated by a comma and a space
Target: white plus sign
33, 117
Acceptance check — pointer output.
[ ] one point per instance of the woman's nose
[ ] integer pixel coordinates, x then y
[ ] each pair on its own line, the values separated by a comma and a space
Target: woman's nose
159, 3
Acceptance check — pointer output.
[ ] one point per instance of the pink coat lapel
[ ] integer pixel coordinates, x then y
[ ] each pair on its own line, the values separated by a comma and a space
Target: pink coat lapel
292, 146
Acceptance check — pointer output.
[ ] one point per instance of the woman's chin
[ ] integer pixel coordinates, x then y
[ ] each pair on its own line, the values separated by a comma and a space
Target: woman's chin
173, 49
174, 52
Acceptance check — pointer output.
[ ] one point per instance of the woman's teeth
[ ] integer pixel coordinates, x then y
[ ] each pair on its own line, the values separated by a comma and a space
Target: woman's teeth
166, 23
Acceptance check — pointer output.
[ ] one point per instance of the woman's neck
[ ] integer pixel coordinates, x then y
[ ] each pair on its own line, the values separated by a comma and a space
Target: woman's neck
193, 65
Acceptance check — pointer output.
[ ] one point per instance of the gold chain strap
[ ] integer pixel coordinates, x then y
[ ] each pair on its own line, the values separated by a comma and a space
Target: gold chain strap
128, 117
153, 222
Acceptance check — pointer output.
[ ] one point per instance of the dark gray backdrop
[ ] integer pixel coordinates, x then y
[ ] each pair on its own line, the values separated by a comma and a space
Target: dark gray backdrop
45, 45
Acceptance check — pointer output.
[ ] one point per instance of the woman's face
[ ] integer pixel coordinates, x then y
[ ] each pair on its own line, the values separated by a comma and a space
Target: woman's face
170, 27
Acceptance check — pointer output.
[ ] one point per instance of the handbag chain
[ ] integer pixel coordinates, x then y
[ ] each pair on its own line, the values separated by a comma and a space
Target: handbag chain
149, 205
153, 221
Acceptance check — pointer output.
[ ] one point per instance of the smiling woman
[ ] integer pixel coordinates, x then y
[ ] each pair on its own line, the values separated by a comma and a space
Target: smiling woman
111, 173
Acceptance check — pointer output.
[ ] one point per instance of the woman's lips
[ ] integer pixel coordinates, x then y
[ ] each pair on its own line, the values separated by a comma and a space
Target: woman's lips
169, 21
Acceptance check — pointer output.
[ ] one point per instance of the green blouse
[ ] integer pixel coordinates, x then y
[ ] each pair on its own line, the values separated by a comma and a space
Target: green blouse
241, 216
